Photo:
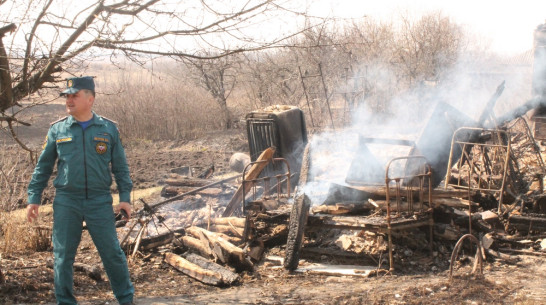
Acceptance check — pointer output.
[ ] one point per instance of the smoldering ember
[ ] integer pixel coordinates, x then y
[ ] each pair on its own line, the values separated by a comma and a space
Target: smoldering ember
453, 194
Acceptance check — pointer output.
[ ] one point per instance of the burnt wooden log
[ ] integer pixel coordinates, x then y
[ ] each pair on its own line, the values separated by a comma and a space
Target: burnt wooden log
453, 202
185, 181
151, 242
492, 219
343, 208
232, 239
93, 272
228, 276
523, 252
227, 229
365, 223
169, 191
222, 249
198, 246
436, 201
156, 241
477, 222
274, 236
509, 259
231, 221
336, 253
380, 192
527, 223
364, 207
204, 275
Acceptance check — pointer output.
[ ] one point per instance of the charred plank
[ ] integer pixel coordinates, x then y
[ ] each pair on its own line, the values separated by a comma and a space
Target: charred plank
193, 270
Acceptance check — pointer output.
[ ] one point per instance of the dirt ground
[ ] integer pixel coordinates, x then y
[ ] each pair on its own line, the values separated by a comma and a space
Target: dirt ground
419, 278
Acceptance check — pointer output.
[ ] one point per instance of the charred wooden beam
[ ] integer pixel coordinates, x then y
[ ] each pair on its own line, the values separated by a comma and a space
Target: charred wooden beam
197, 272
274, 236
343, 208
222, 249
524, 252
228, 276
509, 259
186, 181
477, 222
340, 193
227, 229
337, 253
169, 191
231, 221
527, 223
151, 242
196, 245
453, 202
156, 241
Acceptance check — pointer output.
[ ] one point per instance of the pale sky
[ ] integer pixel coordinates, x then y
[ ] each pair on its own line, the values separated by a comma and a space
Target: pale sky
508, 24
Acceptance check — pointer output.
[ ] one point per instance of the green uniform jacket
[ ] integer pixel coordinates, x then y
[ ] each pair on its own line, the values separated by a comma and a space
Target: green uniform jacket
86, 160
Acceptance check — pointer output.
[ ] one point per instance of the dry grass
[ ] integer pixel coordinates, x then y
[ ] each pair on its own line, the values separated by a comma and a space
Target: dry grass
15, 172
17, 235
156, 108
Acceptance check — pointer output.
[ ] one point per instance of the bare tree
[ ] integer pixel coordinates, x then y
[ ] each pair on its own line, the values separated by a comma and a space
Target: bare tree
40, 41
366, 45
271, 78
427, 47
218, 77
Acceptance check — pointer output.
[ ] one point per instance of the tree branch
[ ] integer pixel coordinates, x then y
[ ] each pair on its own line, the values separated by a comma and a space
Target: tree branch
21, 144
30, 39
10, 119
8, 28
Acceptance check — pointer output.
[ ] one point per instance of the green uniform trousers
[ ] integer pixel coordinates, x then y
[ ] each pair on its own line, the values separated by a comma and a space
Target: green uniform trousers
98, 214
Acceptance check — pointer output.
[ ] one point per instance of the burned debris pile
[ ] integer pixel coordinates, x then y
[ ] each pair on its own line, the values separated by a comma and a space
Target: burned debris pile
490, 187
193, 228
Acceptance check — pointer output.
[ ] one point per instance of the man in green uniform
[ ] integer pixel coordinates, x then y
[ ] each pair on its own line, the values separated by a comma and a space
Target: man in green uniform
87, 150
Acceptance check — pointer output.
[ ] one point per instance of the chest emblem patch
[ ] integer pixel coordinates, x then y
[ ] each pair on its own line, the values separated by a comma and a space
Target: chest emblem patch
101, 148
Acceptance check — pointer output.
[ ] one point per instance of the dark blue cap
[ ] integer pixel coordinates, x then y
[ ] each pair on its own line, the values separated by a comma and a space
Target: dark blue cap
75, 84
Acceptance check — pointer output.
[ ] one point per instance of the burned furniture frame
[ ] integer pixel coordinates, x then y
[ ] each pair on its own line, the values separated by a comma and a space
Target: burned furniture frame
279, 126
484, 162
408, 187
280, 177
259, 199
485, 165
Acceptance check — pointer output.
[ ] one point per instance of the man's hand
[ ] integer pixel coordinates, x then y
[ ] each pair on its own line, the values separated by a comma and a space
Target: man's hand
32, 211
126, 206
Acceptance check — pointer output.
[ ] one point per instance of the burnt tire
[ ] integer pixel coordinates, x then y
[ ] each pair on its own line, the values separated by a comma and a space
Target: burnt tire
296, 228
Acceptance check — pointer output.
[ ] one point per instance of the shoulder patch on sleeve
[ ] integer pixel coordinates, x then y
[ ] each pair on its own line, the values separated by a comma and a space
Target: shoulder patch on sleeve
107, 119
45, 143
59, 120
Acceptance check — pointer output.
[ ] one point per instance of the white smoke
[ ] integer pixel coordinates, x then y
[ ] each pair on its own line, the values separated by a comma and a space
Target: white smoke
467, 88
